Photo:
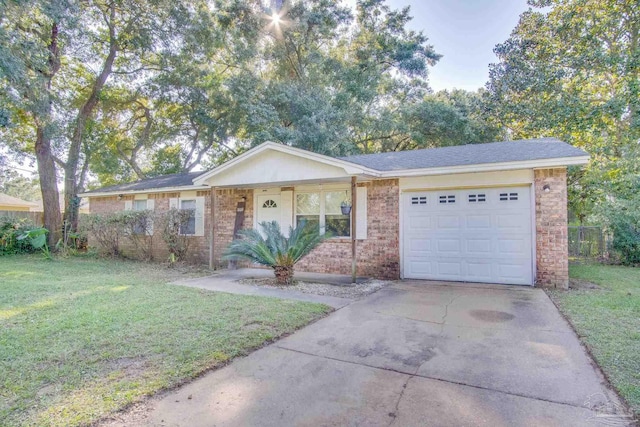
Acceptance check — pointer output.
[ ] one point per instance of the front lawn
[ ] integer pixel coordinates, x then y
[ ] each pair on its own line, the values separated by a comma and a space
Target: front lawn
608, 322
80, 338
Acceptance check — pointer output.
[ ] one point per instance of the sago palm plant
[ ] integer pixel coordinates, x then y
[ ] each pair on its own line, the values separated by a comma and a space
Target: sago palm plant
273, 249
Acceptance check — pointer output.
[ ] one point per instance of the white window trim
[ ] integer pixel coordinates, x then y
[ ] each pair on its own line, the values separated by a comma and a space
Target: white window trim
322, 192
176, 203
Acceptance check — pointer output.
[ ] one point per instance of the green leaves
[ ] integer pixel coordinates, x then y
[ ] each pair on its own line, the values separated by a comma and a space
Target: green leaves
570, 70
271, 248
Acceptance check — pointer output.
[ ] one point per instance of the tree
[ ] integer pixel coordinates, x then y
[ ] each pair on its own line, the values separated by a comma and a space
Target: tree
56, 59
274, 249
571, 69
16, 185
30, 59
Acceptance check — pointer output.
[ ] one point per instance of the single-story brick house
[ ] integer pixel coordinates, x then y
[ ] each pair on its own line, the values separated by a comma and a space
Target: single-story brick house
494, 213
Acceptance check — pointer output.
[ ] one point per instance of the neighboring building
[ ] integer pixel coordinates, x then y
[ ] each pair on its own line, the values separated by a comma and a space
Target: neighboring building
10, 203
494, 213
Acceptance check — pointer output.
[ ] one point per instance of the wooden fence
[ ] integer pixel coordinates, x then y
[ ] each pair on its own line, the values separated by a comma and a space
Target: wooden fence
34, 217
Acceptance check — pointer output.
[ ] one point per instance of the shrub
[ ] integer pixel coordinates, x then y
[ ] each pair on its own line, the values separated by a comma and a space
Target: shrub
11, 229
623, 220
106, 229
137, 227
171, 222
274, 249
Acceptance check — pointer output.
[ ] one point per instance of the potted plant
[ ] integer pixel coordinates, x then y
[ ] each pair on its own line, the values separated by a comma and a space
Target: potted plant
345, 207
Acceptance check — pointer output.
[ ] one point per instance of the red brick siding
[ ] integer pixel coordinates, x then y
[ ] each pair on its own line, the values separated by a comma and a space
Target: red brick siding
378, 255
552, 254
225, 207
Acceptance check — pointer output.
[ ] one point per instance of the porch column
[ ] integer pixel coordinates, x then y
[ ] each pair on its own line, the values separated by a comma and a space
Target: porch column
212, 218
354, 192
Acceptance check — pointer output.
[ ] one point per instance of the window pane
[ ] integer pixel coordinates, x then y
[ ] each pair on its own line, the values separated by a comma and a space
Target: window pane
313, 220
333, 200
308, 204
188, 204
139, 205
189, 226
338, 225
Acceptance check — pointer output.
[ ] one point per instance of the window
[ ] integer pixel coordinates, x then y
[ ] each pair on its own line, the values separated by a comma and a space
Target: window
189, 227
323, 210
448, 199
473, 198
508, 196
422, 200
269, 204
140, 227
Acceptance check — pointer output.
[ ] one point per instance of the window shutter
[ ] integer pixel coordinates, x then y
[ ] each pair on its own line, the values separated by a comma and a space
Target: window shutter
151, 205
361, 213
173, 203
286, 211
128, 205
199, 216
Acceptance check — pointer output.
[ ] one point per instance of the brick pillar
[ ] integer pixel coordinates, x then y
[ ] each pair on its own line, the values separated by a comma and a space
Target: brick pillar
552, 248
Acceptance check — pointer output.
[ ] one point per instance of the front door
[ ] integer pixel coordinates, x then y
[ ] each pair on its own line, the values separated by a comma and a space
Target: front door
268, 208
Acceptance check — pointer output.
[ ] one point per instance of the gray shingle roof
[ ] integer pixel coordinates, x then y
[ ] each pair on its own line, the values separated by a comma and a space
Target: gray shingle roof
471, 154
461, 155
173, 180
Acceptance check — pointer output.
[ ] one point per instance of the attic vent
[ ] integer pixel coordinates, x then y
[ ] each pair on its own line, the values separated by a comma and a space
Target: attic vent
508, 196
422, 200
448, 199
473, 198
269, 204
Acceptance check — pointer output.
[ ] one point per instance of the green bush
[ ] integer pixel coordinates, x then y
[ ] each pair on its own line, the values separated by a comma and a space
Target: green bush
12, 231
623, 220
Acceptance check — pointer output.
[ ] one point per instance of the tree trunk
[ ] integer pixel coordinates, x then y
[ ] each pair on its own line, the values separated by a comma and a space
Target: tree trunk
44, 156
71, 200
48, 186
284, 274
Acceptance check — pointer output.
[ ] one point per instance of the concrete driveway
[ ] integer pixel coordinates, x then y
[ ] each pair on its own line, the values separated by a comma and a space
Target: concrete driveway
413, 354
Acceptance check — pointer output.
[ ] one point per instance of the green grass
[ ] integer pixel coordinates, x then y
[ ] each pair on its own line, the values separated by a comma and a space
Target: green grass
80, 338
608, 322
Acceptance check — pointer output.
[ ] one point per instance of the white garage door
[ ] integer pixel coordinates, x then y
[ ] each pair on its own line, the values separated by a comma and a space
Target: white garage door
476, 235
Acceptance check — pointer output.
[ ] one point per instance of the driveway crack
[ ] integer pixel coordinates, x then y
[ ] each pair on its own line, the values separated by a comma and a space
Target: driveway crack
394, 414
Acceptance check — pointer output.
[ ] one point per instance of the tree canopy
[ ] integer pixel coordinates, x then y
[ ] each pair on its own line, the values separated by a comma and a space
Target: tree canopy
571, 69
107, 91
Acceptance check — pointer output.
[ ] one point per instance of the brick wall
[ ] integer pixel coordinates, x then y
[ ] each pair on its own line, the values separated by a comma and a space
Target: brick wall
225, 207
378, 255
199, 245
551, 228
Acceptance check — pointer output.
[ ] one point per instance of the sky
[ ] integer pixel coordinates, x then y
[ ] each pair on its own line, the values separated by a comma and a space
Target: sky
465, 33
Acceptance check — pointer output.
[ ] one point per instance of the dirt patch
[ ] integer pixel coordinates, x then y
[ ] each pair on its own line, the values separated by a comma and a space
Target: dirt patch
351, 291
582, 285
491, 316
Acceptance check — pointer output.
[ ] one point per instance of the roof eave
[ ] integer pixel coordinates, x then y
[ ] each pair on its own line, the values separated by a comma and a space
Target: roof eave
489, 167
148, 190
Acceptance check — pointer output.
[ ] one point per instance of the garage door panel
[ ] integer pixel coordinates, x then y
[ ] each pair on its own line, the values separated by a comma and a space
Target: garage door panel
417, 222
481, 222
481, 235
478, 246
514, 246
418, 246
449, 247
423, 268
448, 222
447, 269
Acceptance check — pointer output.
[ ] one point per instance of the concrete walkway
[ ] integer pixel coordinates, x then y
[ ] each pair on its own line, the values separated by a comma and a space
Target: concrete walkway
227, 281
412, 354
